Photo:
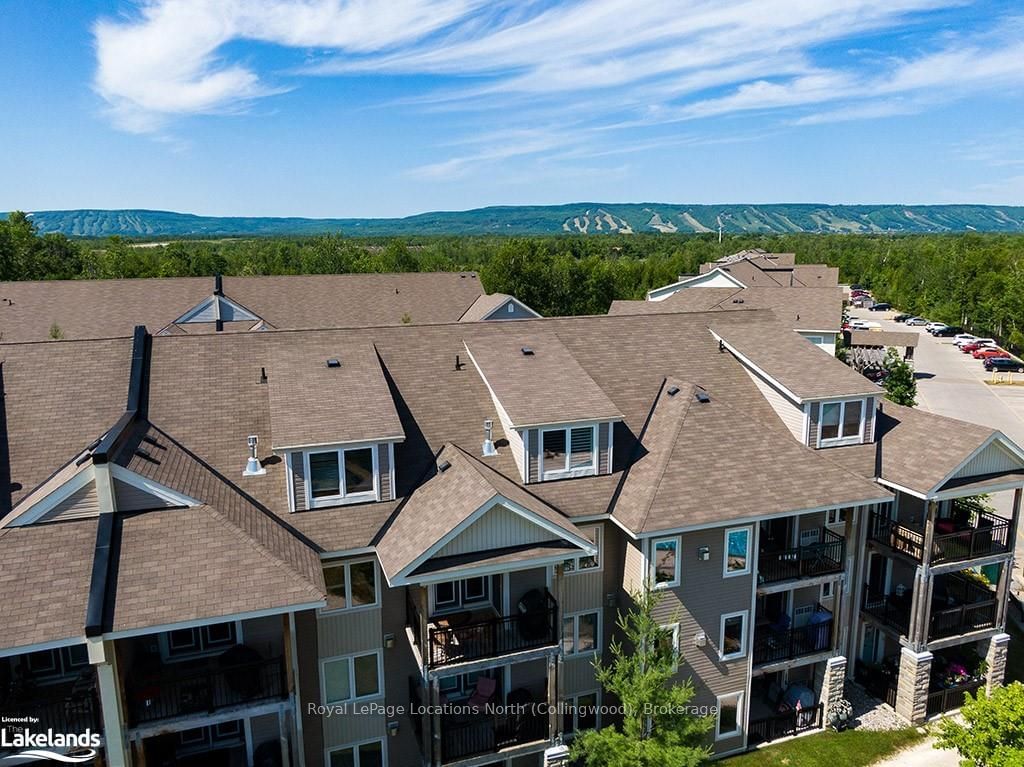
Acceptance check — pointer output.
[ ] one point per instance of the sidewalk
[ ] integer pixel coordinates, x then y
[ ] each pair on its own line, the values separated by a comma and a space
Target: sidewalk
922, 755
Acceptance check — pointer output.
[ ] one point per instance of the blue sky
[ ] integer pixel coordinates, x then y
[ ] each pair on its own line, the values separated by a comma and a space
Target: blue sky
392, 107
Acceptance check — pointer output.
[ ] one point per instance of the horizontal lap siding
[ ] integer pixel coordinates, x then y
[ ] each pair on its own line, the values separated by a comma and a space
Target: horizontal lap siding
869, 421
384, 462
812, 432
130, 498
84, 502
533, 441
790, 413
299, 480
604, 448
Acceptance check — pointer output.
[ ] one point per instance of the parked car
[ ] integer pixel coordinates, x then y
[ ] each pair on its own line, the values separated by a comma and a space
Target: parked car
978, 343
882, 307
964, 338
1006, 364
875, 373
931, 327
989, 351
947, 332
902, 317
917, 321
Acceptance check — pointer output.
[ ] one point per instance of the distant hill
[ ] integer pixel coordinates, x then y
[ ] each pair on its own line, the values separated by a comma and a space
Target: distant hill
579, 218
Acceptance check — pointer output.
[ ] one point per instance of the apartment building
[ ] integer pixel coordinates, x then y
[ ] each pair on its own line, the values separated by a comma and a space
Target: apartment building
810, 300
406, 545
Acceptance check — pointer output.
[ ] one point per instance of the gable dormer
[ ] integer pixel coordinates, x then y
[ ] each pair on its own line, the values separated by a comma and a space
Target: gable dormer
333, 417
557, 420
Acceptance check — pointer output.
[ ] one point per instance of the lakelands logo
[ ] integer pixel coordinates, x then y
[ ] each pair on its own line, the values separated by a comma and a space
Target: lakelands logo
61, 747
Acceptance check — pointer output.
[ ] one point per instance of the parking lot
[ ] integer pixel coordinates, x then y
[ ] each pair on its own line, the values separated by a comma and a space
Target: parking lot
953, 384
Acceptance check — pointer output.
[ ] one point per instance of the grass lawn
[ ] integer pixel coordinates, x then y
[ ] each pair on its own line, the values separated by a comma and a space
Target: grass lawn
853, 748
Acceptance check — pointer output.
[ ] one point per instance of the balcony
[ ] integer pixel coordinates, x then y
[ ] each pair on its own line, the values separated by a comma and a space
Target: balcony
219, 684
815, 559
892, 610
465, 636
71, 707
775, 643
765, 729
463, 737
959, 606
951, 698
978, 535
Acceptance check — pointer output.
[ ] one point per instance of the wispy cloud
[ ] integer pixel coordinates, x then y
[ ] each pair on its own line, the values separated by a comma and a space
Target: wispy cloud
588, 73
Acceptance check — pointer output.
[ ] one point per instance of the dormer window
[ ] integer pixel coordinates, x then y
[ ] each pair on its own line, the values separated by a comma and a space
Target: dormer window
842, 423
341, 475
568, 452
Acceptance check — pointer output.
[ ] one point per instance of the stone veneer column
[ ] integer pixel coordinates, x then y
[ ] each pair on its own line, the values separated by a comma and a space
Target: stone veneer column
912, 690
833, 686
995, 659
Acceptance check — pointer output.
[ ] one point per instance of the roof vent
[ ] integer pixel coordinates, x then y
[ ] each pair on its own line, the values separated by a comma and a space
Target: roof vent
702, 397
721, 345
141, 452
253, 467
263, 375
334, 362
672, 391
444, 466
527, 351
489, 448
737, 300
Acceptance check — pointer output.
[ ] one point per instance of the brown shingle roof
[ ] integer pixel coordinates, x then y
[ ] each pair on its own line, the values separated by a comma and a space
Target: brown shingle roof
314, 404
486, 305
800, 367
538, 382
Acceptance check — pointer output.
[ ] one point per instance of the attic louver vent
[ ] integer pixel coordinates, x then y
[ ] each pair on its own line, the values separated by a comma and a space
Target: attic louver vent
673, 391
334, 362
527, 351
443, 466
703, 397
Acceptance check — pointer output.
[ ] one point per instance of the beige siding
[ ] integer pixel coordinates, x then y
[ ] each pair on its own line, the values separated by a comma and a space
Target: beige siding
514, 437
578, 675
496, 529
130, 498
533, 445
633, 571
340, 730
791, 414
994, 458
869, 421
299, 480
815, 418
347, 632
698, 604
522, 581
582, 591
82, 503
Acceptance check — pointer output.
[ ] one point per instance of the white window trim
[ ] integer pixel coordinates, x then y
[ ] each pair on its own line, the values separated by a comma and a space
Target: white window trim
843, 440
343, 497
674, 629
677, 577
742, 652
575, 618
567, 472
460, 602
573, 702
354, 747
832, 589
349, 608
599, 542
351, 658
837, 522
740, 696
164, 640
726, 572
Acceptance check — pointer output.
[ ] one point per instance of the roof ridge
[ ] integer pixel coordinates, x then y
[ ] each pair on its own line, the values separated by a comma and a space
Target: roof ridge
477, 465
676, 428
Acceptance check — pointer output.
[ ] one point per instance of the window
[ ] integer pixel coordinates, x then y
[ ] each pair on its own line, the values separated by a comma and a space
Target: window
837, 517
64, 661
729, 722
810, 537
665, 563
841, 421
581, 713
351, 585
351, 677
583, 562
468, 593
828, 589
668, 642
737, 552
370, 754
463, 685
734, 636
510, 307
198, 640
580, 633
341, 475
568, 452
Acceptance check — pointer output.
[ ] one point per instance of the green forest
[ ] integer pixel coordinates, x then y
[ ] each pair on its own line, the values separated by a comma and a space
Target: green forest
974, 280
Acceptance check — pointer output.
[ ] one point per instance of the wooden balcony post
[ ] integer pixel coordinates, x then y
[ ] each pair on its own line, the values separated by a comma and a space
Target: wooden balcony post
553, 697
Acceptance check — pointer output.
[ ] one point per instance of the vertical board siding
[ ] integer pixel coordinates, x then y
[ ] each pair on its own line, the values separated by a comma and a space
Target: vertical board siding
578, 675
633, 575
533, 437
790, 413
992, 460
384, 464
582, 591
299, 480
348, 632
351, 727
522, 581
604, 448
496, 529
130, 498
84, 502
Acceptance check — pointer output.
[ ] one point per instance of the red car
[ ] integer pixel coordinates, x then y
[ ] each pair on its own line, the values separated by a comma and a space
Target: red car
973, 346
984, 354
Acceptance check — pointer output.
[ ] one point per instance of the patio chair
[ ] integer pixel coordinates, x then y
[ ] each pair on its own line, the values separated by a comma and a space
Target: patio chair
484, 692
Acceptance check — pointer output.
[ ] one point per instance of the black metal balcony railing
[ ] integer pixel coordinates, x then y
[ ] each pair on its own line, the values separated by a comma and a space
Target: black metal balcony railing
772, 645
803, 561
488, 734
878, 680
986, 534
488, 638
964, 619
72, 713
891, 609
950, 698
211, 689
793, 722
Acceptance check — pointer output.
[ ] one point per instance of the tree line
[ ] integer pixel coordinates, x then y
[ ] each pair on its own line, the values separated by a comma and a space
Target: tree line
974, 280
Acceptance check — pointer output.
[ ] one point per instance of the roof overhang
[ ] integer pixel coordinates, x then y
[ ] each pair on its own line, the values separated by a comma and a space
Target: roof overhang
210, 620
659, 294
